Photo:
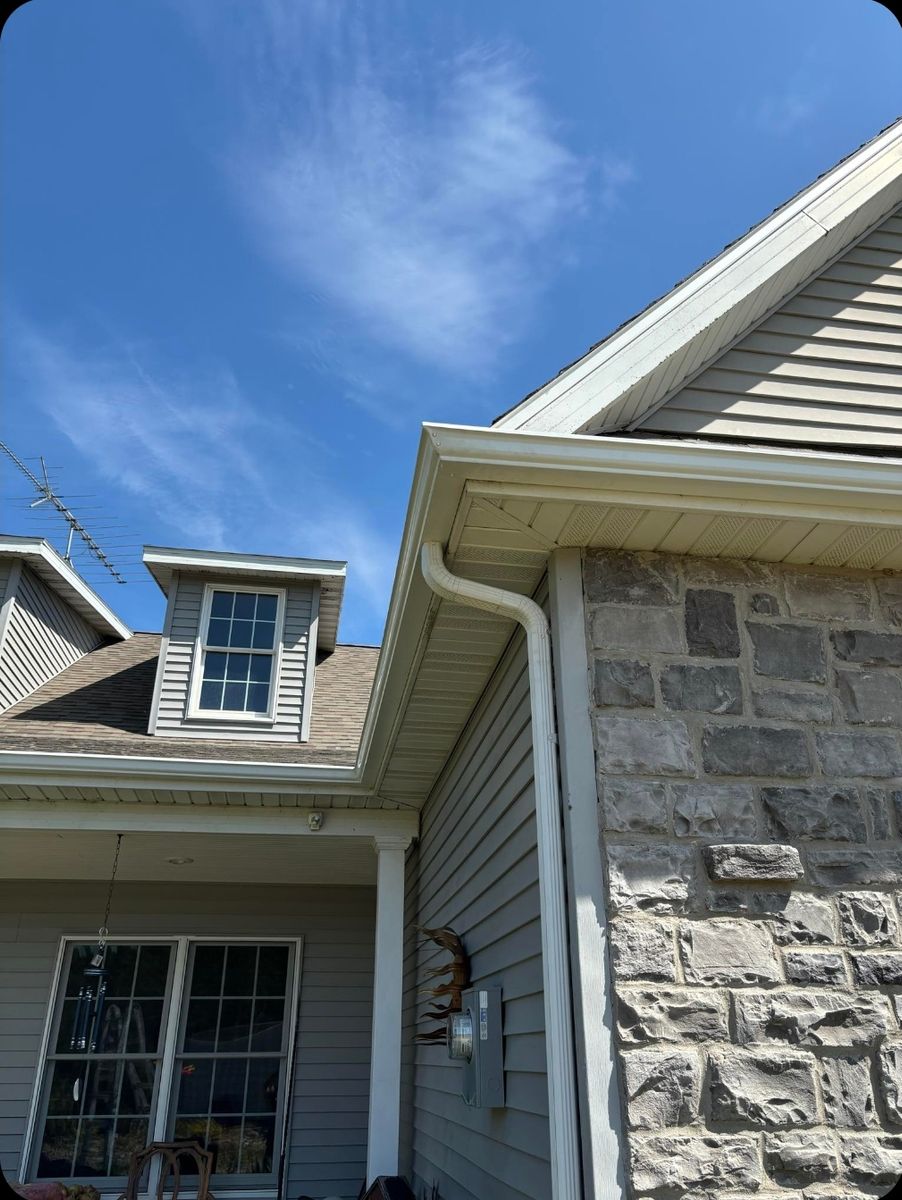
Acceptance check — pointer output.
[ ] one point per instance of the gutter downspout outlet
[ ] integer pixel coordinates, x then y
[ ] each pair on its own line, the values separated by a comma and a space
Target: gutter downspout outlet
562, 1113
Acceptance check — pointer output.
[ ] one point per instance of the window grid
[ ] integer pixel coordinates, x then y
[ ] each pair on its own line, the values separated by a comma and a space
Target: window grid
238, 650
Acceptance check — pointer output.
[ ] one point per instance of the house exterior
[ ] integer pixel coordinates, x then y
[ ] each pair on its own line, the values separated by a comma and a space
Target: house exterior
633, 733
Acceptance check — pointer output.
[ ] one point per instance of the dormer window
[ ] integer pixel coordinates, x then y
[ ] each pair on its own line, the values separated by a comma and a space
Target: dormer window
238, 657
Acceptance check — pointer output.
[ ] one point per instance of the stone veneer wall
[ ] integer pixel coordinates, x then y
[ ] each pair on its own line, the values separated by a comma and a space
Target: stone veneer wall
746, 721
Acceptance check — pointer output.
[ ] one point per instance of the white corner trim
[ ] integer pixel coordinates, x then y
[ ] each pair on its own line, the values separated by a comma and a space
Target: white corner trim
384, 1120
162, 656
9, 598
601, 1120
310, 664
563, 1127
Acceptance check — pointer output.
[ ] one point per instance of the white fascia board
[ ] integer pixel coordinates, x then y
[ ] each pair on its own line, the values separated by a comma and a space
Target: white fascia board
119, 770
64, 579
161, 561
180, 818
596, 381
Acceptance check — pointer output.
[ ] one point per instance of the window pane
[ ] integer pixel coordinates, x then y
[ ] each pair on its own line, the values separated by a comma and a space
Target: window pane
222, 604
211, 696
136, 1093
238, 668
234, 1026
225, 1142
258, 697
257, 1145
268, 1020
260, 668
234, 697
245, 602
81, 956
57, 1149
194, 1086
218, 633
263, 1085
215, 665
120, 962
241, 633
102, 1088
153, 968
239, 975
272, 971
228, 1085
111, 1032
264, 635
95, 1141
66, 1079
206, 977
130, 1136
144, 1026
191, 1129
200, 1027
266, 608
64, 1036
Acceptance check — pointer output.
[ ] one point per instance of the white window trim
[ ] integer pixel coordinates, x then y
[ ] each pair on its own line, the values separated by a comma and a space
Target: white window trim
233, 716
157, 1131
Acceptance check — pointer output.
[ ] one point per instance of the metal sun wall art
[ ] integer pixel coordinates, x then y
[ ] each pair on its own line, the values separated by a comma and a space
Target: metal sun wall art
459, 971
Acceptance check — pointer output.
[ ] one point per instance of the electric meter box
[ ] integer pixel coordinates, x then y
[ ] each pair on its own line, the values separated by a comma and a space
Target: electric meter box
474, 1040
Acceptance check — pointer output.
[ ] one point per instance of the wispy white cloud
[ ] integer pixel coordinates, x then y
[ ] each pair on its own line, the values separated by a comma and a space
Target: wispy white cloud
616, 175
423, 196
781, 114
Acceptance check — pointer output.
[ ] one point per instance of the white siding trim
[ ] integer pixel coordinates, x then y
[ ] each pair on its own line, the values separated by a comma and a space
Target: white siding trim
9, 598
599, 1101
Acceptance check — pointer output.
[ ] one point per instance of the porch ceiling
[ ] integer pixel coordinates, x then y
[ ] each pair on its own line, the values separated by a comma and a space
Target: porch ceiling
223, 858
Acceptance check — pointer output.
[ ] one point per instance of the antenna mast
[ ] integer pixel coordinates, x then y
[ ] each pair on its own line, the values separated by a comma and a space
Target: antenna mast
46, 493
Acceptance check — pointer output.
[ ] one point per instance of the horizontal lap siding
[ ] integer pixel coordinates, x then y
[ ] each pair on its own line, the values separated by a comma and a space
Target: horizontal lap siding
327, 1125
186, 614
43, 637
825, 368
475, 869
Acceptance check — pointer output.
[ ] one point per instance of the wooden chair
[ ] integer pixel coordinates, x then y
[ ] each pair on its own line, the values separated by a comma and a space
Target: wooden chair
171, 1154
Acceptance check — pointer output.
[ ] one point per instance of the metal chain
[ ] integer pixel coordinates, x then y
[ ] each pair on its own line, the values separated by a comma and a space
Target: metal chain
104, 930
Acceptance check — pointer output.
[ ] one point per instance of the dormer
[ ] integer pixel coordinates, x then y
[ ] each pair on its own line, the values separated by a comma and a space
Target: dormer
241, 638
49, 617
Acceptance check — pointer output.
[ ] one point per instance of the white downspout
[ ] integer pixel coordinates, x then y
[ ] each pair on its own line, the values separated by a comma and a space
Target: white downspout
562, 1118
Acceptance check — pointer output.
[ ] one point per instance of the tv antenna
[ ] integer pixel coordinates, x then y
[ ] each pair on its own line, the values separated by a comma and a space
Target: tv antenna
48, 495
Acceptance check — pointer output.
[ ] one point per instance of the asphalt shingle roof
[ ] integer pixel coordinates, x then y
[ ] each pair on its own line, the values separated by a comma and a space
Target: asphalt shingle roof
101, 705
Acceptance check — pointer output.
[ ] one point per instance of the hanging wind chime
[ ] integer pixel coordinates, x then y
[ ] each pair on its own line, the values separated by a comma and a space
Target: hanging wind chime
88, 1021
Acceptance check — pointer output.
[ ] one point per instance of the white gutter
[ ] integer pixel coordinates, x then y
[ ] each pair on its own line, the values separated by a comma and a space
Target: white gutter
562, 1117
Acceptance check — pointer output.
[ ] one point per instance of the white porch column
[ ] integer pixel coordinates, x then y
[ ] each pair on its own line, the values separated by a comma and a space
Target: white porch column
385, 1061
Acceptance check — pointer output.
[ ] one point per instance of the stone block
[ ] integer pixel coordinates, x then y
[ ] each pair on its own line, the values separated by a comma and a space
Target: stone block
719, 810
755, 750
817, 813
821, 968
690, 1164
642, 630
867, 647
867, 918
633, 746
889, 594
875, 799
752, 863
800, 919
773, 1090
633, 806
854, 755
619, 577
711, 628
764, 604
800, 1159
693, 688
889, 1075
783, 705
841, 868
623, 683
663, 1087
872, 1161
671, 1015
847, 1093
878, 968
808, 1018
832, 597
728, 572
642, 950
725, 952
786, 651
870, 697
655, 878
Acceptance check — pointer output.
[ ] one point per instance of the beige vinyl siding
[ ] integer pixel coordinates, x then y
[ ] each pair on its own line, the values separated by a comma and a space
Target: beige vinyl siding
328, 1120
184, 626
43, 636
826, 368
475, 869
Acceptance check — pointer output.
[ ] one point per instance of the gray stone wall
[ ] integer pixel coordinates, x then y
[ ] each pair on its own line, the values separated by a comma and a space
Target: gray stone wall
747, 733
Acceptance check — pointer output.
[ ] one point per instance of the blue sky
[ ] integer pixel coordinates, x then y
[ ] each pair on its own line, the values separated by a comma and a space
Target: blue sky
249, 246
